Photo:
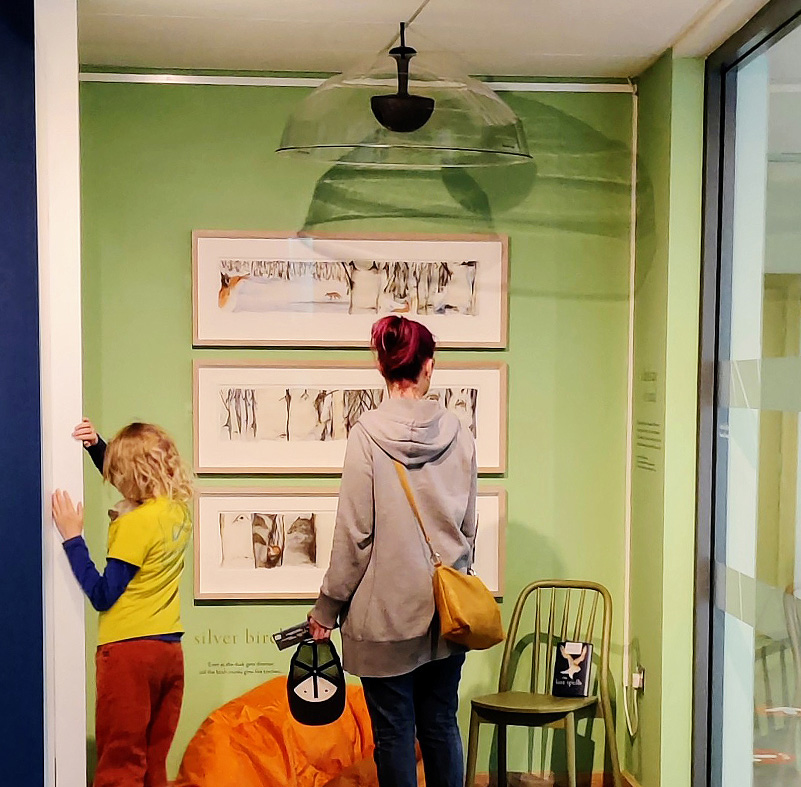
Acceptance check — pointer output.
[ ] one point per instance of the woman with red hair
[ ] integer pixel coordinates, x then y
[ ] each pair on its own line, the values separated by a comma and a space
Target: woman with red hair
379, 583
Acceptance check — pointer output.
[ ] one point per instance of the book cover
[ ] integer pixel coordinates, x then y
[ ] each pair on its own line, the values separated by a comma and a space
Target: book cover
571, 675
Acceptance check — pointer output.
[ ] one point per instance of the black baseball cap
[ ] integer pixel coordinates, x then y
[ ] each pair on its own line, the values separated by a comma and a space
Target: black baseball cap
316, 683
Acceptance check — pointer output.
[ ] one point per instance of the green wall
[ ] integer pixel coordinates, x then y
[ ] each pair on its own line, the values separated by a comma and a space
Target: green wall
160, 161
670, 151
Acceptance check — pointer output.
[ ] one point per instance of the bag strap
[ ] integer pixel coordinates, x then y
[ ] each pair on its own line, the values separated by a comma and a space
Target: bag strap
404, 479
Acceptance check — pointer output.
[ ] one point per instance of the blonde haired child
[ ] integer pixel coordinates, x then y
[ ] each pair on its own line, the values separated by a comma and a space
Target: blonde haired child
139, 660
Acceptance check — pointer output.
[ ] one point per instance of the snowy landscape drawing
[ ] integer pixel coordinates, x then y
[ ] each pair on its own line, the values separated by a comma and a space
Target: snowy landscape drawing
316, 414
347, 287
259, 416
263, 289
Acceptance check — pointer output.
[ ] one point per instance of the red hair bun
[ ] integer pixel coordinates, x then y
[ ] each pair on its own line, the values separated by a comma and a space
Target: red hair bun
402, 346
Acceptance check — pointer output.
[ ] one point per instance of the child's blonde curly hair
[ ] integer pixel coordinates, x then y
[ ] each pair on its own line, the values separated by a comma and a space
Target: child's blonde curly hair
143, 463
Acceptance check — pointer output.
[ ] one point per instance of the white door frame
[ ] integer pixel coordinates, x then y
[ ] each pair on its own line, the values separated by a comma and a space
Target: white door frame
58, 204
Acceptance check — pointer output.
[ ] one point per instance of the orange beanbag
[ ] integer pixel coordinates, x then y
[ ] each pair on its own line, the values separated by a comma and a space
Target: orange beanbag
364, 774
253, 741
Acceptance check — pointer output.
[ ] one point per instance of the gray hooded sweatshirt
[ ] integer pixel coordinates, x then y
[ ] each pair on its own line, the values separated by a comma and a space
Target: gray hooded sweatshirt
379, 583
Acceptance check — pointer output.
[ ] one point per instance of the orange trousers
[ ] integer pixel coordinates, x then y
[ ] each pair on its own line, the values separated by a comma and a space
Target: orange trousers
140, 686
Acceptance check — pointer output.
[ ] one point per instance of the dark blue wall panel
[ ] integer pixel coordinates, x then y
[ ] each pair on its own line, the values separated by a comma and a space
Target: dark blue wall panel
21, 638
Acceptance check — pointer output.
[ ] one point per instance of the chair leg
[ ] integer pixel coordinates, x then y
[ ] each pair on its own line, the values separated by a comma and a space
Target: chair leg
570, 735
502, 775
472, 749
611, 741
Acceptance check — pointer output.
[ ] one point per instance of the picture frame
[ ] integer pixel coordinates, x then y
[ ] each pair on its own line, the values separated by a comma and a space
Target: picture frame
245, 521
284, 417
268, 289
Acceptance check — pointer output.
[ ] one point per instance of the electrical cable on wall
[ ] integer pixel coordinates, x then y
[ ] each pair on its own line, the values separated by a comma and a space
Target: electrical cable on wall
631, 709
408, 22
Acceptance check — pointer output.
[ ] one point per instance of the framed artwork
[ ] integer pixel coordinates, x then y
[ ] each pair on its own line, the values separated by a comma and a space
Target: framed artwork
271, 417
276, 543
254, 289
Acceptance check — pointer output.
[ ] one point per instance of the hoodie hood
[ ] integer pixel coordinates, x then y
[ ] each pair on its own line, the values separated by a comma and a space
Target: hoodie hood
412, 431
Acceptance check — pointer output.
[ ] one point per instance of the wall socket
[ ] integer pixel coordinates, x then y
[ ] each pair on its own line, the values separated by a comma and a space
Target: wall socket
638, 679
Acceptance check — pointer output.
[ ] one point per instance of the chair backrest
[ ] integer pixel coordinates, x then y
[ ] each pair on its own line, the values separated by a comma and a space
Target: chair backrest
792, 617
559, 610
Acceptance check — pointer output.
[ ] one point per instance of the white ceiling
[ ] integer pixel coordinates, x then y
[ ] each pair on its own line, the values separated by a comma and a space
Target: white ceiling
606, 38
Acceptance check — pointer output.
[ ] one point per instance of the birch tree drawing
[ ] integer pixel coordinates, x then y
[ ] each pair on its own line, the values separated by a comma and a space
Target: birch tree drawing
239, 412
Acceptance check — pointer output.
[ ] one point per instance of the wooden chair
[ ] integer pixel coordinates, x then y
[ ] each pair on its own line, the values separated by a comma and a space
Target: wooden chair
563, 610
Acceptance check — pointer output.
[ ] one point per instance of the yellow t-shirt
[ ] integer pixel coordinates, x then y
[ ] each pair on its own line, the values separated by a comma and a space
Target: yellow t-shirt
153, 536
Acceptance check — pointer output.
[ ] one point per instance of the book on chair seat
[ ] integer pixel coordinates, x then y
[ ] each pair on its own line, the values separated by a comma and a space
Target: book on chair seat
571, 674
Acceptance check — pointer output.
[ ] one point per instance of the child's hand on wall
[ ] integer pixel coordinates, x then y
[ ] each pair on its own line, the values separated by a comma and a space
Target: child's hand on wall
68, 518
86, 433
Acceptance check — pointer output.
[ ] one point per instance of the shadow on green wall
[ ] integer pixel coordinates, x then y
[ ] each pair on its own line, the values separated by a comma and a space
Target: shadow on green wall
573, 183
646, 224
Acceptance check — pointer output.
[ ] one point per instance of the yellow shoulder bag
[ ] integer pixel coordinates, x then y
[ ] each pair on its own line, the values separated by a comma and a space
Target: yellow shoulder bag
468, 613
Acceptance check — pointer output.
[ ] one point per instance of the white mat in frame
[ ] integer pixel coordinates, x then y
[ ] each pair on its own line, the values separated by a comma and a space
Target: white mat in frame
266, 417
280, 290
289, 533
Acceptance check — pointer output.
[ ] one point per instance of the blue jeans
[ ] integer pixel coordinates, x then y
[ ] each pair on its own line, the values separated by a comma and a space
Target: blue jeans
423, 701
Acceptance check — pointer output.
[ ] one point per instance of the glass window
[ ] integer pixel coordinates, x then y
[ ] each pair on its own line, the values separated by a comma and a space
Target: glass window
756, 723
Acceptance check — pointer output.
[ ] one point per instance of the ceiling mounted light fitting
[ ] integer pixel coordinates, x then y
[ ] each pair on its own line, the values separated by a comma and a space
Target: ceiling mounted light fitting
401, 111
432, 115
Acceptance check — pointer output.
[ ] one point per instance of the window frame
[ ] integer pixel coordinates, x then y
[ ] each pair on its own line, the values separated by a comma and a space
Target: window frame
777, 19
